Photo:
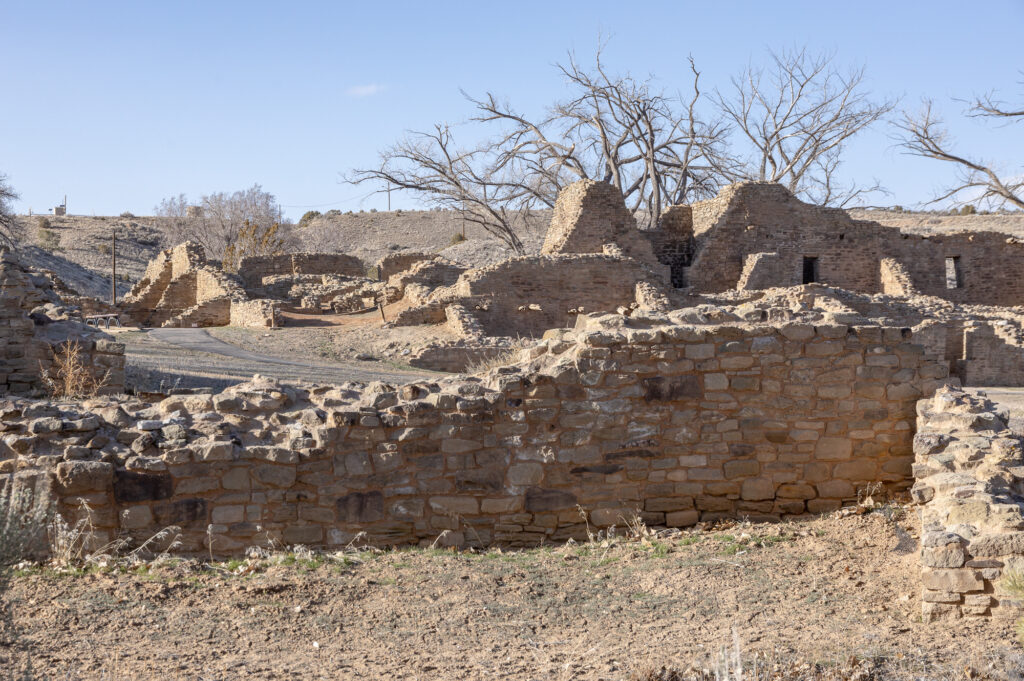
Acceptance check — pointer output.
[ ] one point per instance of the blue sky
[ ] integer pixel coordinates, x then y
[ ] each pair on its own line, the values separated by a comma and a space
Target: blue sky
118, 105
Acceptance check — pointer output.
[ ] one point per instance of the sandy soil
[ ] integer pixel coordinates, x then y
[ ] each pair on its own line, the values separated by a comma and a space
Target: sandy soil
817, 591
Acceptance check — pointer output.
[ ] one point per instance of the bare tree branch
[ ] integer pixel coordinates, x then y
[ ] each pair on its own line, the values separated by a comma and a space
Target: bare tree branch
654, 147
923, 134
796, 118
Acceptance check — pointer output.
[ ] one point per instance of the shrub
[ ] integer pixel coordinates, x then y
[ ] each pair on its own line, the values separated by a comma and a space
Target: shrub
42, 223
334, 212
456, 239
126, 214
1013, 584
308, 217
253, 240
968, 210
48, 239
104, 249
71, 377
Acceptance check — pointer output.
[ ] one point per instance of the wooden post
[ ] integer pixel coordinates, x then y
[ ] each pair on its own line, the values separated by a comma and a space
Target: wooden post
380, 306
113, 265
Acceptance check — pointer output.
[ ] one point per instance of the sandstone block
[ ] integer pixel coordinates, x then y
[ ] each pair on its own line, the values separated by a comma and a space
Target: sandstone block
961, 580
757, 489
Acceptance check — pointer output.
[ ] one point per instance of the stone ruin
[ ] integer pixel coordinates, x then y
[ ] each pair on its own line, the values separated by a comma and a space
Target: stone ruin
36, 324
180, 288
753, 356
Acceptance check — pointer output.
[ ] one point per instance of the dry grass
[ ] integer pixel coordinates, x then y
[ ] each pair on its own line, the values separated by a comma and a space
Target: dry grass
70, 377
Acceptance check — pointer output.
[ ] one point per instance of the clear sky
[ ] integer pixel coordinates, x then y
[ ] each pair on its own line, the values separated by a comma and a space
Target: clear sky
120, 104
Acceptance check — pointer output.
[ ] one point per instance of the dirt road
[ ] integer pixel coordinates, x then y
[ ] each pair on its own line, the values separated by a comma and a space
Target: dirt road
160, 359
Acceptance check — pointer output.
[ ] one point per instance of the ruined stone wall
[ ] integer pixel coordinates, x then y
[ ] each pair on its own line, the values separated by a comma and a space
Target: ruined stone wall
766, 270
991, 356
393, 263
28, 346
678, 423
259, 313
253, 269
531, 294
754, 217
969, 469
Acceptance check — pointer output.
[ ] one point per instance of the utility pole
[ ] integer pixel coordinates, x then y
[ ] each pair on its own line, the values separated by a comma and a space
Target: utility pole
113, 266
388, 182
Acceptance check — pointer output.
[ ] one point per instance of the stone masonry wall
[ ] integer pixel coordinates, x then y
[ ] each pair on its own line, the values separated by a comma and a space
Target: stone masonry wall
969, 468
28, 344
679, 423
757, 217
532, 294
253, 269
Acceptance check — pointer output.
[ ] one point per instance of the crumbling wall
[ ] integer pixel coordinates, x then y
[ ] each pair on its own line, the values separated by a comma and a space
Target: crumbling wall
259, 313
252, 270
394, 263
766, 270
531, 294
969, 469
588, 216
757, 217
895, 279
992, 355
679, 423
29, 344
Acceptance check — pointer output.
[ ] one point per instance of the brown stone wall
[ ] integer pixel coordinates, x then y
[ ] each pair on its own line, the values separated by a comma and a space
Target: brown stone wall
258, 313
28, 347
676, 423
393, 263
253, 269
992, 356
753, 217
532, 294
968, 469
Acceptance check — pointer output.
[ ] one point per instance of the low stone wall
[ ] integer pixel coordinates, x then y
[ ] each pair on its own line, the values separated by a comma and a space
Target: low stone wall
532, 294
395, 263
678, 423
29, 344
969, 468
258, 313
992, 355
253, 269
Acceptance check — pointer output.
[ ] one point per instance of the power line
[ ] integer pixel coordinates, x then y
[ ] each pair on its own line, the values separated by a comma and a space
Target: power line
333, 203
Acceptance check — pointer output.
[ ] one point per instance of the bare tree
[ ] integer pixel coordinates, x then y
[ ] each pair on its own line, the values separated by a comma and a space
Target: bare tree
219, 218
795, 118
653, 146
924, 134
8, 221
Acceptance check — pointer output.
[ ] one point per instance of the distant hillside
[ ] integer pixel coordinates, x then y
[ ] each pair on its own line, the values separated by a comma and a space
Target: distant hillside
77, 248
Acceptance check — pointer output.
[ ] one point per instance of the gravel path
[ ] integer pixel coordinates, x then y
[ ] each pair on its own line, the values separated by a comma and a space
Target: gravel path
160, 359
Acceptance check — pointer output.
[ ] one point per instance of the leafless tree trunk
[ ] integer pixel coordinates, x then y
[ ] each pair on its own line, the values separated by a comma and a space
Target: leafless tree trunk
654, 147
795, 119
923, 134
8, 221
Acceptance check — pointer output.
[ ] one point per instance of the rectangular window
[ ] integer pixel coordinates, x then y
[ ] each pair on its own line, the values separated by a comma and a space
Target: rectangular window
954, 275
810, 270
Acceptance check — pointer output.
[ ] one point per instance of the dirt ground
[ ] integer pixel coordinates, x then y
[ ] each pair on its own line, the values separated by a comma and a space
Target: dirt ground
336, 338
816, 592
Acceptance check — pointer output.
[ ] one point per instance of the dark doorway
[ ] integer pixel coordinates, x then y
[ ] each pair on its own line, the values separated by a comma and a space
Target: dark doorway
810, 270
